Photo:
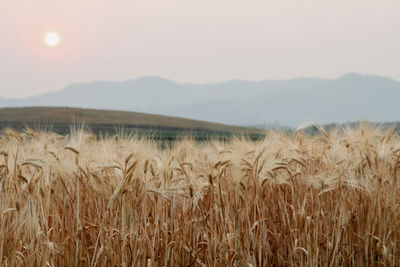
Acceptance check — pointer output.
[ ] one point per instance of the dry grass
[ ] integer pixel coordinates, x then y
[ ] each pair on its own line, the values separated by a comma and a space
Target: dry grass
291, 199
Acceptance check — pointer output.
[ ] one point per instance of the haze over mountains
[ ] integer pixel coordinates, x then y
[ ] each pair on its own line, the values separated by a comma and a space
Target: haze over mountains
293, 102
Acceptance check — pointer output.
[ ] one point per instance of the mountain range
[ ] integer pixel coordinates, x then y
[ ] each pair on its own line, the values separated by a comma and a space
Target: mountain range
293, 102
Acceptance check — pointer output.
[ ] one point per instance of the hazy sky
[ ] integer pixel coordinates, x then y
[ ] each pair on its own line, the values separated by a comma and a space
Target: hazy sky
193, 40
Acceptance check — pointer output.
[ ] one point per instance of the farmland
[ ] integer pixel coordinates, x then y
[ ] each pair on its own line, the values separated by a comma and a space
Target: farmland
61, 120
289, 199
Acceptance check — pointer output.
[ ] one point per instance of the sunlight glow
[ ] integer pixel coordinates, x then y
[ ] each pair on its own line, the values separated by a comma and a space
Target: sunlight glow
52, 39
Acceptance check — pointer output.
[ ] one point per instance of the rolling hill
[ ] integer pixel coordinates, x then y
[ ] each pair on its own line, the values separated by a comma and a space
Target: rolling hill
294, 102
60, 119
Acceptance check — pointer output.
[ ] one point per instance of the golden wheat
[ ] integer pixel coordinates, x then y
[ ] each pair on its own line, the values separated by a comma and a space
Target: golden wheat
291, 199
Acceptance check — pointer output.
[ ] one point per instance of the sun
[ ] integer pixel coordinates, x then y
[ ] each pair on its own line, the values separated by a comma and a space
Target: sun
52, 39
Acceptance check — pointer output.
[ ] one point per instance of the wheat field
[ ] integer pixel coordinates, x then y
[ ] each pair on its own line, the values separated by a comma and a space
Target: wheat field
291, 199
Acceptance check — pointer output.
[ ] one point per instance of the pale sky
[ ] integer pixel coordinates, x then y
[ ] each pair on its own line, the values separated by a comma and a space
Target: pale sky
193, 40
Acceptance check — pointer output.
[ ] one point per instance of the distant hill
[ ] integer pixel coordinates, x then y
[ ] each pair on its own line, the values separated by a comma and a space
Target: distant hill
293, 102
60, 119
